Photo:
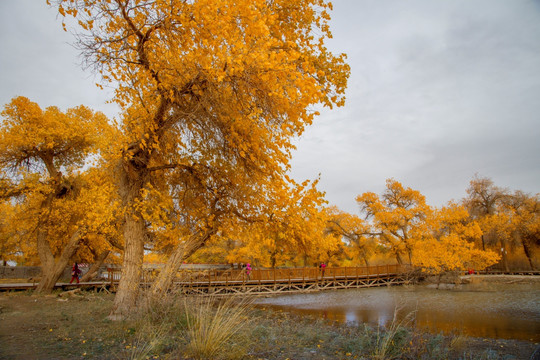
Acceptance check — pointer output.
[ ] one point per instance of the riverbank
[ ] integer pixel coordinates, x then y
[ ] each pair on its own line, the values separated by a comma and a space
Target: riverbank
453, 280
75, 327
500, 279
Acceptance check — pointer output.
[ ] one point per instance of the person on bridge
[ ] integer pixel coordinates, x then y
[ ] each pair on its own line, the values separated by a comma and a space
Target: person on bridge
75, 272
323, 267
248, 270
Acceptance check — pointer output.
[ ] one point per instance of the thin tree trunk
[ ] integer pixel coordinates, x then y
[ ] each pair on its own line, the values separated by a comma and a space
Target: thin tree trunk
366, 261
55, 268
182, 251
92, 272
398, 258
527, 251
504, 255
273, 258
45, 254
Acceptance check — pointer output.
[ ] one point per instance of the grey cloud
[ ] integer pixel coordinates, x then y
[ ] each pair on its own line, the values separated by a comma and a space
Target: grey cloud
439, 91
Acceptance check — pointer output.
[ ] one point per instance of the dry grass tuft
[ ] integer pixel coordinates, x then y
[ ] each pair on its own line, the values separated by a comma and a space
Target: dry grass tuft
387, 341
212, 322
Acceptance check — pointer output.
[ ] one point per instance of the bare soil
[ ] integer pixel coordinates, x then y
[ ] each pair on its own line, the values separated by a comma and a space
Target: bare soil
53, 327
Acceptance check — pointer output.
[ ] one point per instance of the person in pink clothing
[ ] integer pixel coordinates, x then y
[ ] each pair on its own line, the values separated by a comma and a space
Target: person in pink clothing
323, 267
248, 270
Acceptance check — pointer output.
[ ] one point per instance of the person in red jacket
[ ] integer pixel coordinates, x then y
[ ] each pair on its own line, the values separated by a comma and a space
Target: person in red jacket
75, 272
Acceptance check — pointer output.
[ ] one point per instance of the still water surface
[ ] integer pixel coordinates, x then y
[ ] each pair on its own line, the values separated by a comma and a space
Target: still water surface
508, 311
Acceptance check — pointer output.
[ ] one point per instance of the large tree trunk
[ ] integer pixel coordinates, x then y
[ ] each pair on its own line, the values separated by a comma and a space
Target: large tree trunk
92, 272
52, 269
132, 180
182, 251
125, 300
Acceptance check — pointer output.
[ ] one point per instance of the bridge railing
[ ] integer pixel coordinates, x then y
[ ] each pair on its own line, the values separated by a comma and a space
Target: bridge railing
270, 275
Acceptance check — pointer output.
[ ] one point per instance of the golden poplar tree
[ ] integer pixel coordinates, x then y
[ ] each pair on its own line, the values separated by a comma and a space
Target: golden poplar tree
450, 243
361, 242
436, 240
509, 221
208, 88
42, 153
397, 217
522, 226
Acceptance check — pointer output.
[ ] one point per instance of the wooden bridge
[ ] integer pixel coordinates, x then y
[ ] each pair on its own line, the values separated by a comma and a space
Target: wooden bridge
263, 281
275, 281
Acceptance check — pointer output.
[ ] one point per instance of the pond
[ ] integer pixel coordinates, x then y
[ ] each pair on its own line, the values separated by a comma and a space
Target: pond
507, 311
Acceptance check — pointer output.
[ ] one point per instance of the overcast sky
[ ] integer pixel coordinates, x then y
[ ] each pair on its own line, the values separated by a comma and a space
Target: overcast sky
439, 91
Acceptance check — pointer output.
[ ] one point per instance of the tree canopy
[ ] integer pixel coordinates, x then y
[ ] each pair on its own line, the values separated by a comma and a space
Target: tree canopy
43, 154
212, 92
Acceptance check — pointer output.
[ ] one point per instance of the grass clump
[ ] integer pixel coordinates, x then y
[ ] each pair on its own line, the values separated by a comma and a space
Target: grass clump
391, 342
180, 327
213, 323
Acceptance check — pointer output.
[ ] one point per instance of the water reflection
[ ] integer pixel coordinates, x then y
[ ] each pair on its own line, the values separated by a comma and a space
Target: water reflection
510, 311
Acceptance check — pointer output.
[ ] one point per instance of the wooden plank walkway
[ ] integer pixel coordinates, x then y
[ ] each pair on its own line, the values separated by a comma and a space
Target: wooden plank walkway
60, 285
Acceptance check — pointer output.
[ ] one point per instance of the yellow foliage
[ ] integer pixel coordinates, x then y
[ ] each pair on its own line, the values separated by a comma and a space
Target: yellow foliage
451, 243
360, 242
212, 94
397, 217
42, 155
50, 139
